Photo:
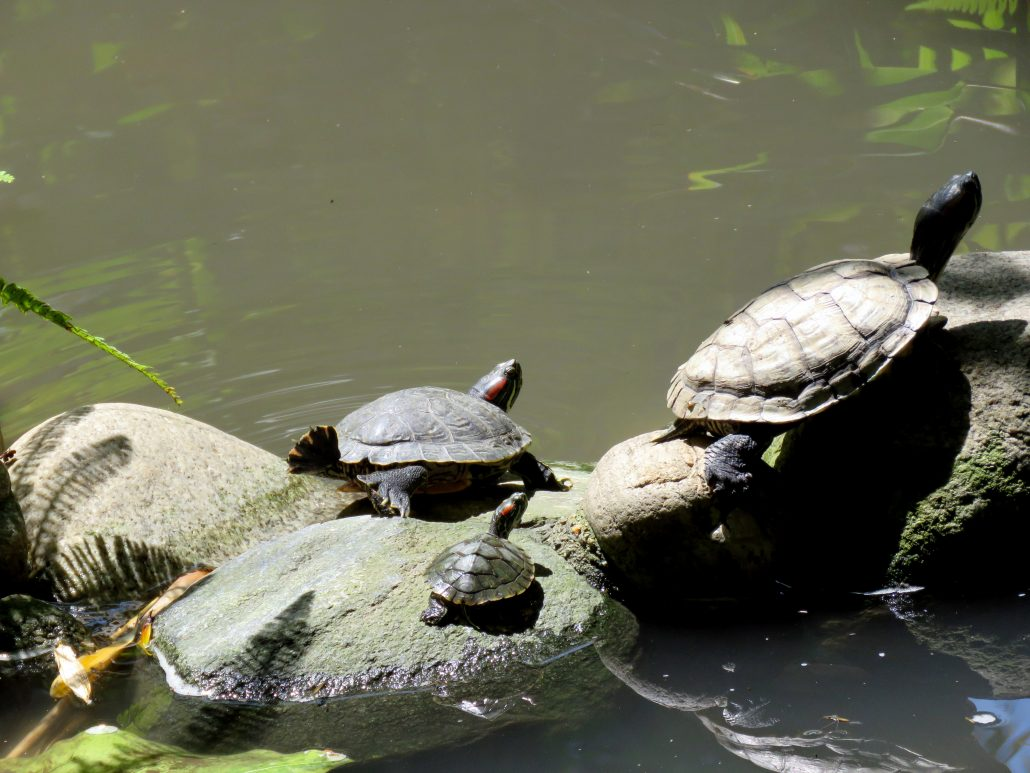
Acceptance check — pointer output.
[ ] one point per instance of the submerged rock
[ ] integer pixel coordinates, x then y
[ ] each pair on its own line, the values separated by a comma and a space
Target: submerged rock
330, 614
30, 629
120, 498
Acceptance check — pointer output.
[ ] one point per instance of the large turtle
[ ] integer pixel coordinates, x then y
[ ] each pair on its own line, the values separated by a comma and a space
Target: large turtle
813, 340
478, 571
426, 440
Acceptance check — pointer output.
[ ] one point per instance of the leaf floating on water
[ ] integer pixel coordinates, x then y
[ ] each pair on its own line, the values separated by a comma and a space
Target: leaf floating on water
72, 676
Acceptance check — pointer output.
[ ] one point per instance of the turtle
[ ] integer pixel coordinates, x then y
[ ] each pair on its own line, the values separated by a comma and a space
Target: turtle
427, 440
481, 570
813, 340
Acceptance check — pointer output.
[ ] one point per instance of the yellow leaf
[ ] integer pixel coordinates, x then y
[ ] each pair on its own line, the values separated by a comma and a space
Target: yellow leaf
71, 676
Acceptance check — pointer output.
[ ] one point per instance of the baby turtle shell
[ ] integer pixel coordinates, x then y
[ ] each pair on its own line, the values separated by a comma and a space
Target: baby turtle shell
484, 569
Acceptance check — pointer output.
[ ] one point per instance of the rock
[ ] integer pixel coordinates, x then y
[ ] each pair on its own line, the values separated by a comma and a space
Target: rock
653, 517
925, 470
332, 611
30, 629
119, 498
14, 543
929, 479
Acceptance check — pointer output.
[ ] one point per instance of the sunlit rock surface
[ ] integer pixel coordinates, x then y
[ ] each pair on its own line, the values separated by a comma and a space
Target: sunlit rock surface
652, 514
118, 498
328, 617
923, 477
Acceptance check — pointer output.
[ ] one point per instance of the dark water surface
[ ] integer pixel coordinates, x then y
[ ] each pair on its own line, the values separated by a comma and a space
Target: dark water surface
289, 209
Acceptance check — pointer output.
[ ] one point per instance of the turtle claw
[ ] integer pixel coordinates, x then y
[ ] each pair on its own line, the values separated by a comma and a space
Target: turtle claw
728, 462
390, 490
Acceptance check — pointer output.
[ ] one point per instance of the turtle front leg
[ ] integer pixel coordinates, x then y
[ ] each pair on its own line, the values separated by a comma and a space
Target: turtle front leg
435, 613
538, 476
732, 461
391, 490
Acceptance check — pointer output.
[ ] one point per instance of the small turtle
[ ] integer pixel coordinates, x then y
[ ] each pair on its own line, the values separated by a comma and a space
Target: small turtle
478, 571
427, 440
813, 340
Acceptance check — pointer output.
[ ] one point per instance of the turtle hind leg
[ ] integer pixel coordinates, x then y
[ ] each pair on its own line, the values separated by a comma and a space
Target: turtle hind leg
391, 490
316, 453
538, 476
732, 462
436, 613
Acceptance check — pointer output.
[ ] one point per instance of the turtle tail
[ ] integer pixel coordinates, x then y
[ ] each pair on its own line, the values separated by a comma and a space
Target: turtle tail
316, 452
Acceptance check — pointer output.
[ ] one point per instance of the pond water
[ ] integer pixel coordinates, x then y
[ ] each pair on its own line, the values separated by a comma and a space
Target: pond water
288, 209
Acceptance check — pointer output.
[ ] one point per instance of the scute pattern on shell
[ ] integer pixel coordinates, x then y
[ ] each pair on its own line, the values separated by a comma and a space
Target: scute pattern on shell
430, 424
481, 570
805, 343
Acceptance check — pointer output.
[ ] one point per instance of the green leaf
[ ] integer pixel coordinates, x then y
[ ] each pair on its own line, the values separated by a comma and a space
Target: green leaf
734, 34
755, 67
1017, 187
964, 24
925, 130
892, 112
699, 180
959, 59
994, 53
105, 55
144, 114
105, 749
24, 300
889, 76
6, 177
823, 81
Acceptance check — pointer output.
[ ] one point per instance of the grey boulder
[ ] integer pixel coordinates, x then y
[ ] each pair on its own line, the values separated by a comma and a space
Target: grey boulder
118, 498
923, 477
311, 622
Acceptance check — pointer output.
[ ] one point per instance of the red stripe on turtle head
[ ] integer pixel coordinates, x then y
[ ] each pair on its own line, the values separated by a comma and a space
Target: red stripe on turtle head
500, 386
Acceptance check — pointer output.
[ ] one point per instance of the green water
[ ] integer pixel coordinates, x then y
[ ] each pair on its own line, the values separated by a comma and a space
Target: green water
290, 208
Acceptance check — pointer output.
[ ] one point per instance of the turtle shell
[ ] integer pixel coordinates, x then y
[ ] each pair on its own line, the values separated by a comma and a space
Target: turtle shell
430, 424
481, 570
805, 343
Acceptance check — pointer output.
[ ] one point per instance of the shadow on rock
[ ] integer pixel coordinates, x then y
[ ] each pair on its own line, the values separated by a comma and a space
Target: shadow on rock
444, 508
504, 617
850, 476
243, 722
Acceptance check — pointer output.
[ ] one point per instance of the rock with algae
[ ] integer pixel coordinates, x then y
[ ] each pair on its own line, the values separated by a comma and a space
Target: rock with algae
118, 498
319, 632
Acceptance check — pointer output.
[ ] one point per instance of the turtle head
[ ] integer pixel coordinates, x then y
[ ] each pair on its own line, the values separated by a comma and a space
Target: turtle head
500, 386
508, 514
944, 220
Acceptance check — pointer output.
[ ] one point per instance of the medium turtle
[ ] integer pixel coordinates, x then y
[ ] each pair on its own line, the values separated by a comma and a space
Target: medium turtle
478, 571
813, 340
426, 440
